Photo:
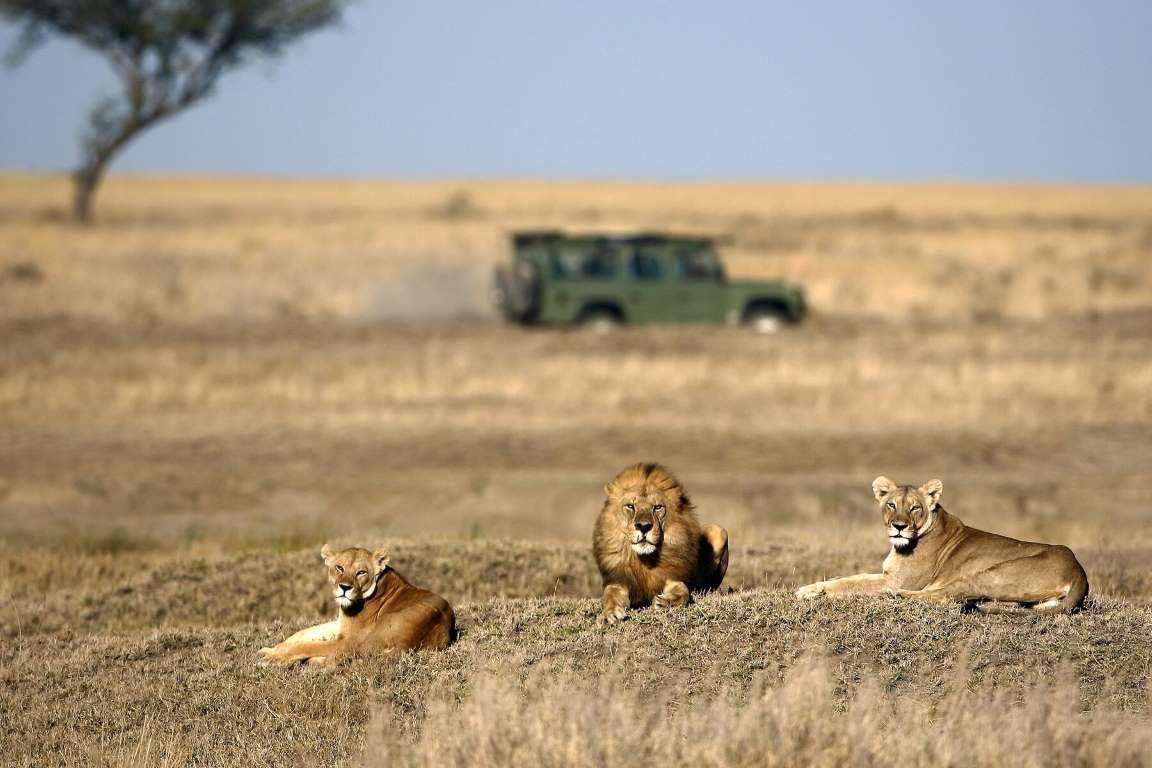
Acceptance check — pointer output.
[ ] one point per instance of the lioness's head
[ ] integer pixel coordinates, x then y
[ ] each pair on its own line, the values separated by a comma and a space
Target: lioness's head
908, 511
646, 499
353, 573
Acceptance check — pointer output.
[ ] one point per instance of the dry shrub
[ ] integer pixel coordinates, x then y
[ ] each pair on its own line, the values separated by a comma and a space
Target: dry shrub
617, 720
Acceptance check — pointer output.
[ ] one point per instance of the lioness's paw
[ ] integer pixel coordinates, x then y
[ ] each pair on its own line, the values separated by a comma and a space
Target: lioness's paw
810, 591
274, 658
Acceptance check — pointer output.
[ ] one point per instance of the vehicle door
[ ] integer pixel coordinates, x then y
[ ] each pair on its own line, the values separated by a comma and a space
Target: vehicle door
584, 271
649, 294
699, 284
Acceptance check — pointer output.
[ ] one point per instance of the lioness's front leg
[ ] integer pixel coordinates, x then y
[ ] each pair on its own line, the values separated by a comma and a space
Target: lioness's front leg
860, 584
615, 604
675, 594
287, 654
329, 630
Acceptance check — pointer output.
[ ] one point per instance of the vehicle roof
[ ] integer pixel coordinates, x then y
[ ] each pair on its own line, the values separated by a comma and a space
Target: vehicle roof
531, 237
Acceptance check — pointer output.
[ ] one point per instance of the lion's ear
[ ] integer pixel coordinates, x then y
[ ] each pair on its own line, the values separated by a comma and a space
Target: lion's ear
327, 553
881, 487
610, 490
381, 557
931, 492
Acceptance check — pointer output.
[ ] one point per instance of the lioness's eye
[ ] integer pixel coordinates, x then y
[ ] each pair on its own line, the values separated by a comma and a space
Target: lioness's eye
658, 508
891, 505
916, 508
339, 569
630, 507
361, 573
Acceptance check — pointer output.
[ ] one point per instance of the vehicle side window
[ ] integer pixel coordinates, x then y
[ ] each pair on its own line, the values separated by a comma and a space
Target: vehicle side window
567, 260
645, 265
698, 264
601, 262
579, 260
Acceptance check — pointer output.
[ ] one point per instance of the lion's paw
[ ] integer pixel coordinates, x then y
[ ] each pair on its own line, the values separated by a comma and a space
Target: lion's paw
810, 591
666, 601
613, 615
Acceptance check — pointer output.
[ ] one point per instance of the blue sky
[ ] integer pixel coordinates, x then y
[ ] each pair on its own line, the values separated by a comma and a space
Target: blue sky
903, 90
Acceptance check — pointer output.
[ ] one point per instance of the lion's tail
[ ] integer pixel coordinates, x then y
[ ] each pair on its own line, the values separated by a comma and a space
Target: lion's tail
1073, 598
1078, 590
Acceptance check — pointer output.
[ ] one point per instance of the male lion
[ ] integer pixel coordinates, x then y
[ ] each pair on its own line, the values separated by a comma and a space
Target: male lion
936, 557
380, 612
650, 547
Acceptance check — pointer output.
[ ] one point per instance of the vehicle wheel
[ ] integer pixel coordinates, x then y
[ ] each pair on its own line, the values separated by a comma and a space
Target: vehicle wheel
764, 320
517, 290
600, 320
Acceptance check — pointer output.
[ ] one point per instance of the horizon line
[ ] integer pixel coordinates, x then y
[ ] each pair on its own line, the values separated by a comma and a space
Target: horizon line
732, 181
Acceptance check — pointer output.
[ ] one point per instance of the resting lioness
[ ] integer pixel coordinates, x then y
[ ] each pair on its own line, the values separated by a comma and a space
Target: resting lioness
650, 547
380, 612
936, 557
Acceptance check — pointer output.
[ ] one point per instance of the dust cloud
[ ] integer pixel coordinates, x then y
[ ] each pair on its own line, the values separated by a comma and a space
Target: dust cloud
434, 293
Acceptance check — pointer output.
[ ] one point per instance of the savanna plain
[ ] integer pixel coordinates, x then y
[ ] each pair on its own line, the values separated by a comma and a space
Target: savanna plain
222, 374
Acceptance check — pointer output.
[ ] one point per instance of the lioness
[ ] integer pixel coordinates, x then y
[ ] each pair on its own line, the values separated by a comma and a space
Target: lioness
936, 557
650, 547
380, 612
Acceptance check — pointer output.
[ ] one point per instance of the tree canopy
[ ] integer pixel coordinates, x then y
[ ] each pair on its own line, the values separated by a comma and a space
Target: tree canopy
167, 55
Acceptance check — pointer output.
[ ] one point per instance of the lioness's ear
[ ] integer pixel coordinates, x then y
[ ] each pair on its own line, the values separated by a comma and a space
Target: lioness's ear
931, 492
881, 487
610, 489
327, 553
381, 557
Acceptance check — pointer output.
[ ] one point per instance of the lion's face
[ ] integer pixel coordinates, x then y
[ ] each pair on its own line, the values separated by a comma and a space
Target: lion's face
645, 501
909, 512
353, 574
645, 513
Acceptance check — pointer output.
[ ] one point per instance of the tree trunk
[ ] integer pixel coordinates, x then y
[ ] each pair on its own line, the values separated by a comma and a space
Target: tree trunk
98, 153
112, 125
84, 183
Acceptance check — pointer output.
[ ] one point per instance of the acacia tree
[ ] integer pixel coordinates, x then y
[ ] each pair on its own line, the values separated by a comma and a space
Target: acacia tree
167, 55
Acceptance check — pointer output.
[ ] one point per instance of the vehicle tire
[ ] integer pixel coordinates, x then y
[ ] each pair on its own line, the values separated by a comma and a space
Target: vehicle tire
600, 320
517, 290
765, 319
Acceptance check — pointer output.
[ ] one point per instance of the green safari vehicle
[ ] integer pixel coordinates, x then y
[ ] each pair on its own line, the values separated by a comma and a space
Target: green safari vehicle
603, 281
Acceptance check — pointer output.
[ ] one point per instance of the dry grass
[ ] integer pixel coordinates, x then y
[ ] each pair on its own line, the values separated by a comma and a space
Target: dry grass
205, 249
574, 721
192, 689
839, 373
198, 391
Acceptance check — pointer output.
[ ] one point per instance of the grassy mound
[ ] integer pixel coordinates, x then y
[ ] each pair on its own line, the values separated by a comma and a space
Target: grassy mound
191, 693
